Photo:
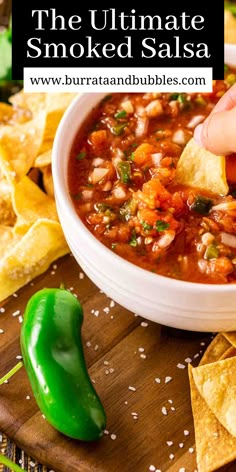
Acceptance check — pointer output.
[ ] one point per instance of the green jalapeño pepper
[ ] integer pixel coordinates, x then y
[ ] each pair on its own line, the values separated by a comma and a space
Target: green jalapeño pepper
54, 360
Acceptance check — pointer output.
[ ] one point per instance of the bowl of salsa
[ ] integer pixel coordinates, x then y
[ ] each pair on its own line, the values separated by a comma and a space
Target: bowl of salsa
164, 250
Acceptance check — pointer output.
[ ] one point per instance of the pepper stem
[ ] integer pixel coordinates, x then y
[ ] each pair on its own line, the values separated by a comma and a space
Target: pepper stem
11, 465
11, 372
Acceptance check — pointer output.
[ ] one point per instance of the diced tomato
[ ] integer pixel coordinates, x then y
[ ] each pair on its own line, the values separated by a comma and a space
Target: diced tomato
143, 153
98, 138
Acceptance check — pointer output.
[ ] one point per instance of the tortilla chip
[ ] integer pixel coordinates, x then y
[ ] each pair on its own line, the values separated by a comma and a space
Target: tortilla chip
44, 159
230, 27
48, 181
19, 145
202, 169
215, 350
39, 205
7, 214
230, 337
7, 239
33, 102
217, 384
31, 256
56, 105
231, 352
215, 447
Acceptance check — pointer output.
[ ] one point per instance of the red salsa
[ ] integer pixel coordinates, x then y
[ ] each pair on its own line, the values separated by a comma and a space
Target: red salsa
122, 181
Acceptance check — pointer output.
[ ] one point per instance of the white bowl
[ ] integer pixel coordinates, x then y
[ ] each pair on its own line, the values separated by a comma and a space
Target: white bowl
184, 305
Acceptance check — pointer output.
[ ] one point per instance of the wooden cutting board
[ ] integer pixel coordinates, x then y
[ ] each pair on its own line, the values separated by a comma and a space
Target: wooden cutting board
140, 372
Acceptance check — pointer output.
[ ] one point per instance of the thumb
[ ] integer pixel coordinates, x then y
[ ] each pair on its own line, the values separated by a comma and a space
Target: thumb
218, 132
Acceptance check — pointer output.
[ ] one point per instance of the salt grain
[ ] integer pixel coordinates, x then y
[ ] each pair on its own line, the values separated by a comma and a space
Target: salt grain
106, 371
111, 370
88, 344
20, 319
96, 313
144, 324
106, 431
152, 468
196, 355
182, 469
126, 403
27, 397
164, 411
143, 356
112, 304
191, 450
202, 344
106, 310
1, 331
186, 432
173, 408
15, 295
106, 363
53, 272
180, 366
169, 443
188, 360
170, 401
113, 437
96, 347
157, 380
81, 275
54, 266
133, 389
171, 456
19, 357
32, 464
16, 313
2, 309
181, 445
141, 349
168, 379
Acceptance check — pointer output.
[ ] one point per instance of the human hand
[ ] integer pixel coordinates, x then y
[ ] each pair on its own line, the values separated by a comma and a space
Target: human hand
218, 132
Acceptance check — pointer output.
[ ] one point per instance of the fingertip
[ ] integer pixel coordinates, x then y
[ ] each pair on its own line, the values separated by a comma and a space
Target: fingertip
198, 135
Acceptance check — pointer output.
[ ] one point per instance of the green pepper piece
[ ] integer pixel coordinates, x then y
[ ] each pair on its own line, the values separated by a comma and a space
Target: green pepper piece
119, 129
54, 360
212, 252
202, 205
124, 171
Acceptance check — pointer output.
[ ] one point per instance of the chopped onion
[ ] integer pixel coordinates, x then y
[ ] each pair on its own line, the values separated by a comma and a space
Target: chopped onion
156, 158
226, 206
87, 194
142, 126
195, 121
179, 137
107, 186
119, 192
116, 161
97, 161
228, 239
154, 108
127, 106
166, 239
97, 174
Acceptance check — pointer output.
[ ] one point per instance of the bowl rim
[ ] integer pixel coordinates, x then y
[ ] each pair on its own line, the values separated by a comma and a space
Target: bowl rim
63, 198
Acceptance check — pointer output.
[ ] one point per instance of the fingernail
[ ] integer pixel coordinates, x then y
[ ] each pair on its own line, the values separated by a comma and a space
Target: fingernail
198, 135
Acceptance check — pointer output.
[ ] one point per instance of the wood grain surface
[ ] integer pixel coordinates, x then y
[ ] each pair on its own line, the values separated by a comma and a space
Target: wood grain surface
140, 373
